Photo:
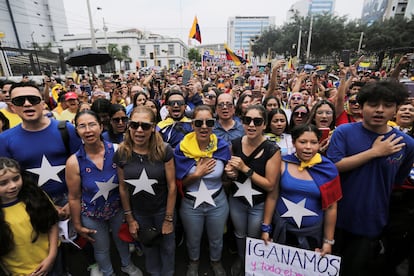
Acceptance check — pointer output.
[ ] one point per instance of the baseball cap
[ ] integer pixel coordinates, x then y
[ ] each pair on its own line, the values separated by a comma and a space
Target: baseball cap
71, 96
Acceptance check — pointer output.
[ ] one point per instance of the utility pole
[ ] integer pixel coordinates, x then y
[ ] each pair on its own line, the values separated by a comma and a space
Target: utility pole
93, 40
309, 39
360, 42
299, 43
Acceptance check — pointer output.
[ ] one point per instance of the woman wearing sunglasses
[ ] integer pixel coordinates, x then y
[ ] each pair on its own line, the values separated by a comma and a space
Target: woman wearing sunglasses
299, 116
118, 122
94, 200
303, 208
200, 159
254, 166
147, 187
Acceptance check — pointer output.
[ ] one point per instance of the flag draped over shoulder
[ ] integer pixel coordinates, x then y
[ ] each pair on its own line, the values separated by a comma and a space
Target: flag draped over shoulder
325, 175
230, 55
195, 31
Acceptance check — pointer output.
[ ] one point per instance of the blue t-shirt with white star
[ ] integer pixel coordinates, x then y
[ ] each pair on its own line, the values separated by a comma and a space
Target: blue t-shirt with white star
100, 192
42, 153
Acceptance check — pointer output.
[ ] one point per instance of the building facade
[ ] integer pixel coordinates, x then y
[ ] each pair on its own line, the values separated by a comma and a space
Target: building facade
243, 30
144, 50
321, 6
378, 10
25, 23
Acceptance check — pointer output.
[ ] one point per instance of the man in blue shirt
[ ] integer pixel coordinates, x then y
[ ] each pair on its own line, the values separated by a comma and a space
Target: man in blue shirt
371, 157
227, 127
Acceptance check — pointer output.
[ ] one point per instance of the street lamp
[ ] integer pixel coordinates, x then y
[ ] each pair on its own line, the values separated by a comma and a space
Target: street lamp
168, 61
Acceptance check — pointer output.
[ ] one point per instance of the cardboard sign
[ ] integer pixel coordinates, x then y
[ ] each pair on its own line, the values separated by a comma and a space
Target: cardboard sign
276, 259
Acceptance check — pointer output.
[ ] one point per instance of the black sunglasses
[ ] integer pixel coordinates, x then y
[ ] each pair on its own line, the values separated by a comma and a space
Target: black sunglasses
179, 103
143, 125
353, 101
256, 121
210, 96
20, 100
300, 114
120, 119
200, 123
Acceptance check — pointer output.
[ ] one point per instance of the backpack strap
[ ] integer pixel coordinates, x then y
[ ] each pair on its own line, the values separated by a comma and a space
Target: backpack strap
65, 135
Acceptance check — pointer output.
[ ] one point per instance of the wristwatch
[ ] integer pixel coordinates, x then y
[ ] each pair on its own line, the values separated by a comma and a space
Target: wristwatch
331, 242
249, 173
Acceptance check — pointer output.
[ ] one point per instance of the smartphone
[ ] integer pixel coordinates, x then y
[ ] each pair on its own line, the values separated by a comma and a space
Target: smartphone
325, 133
186, 76
345, 55
257, 94
410, 88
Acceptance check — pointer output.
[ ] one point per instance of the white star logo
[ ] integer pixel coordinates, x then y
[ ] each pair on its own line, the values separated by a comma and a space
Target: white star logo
245, 189
105, 188
203, 195
46, 171
143, 183
297, 211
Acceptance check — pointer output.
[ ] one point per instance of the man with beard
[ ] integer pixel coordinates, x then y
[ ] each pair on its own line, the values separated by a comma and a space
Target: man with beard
176, 125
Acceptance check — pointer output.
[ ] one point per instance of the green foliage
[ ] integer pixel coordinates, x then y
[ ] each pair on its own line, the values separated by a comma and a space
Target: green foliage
331, 34
194, 55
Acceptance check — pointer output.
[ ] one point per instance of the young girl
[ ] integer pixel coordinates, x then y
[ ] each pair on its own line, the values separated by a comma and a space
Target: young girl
28, 224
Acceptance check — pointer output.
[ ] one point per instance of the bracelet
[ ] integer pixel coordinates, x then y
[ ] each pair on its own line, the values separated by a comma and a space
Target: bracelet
330, 242
267, 228
168, 220
127, 212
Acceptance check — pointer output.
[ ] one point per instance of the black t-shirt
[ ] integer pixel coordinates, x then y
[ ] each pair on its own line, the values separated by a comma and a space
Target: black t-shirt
147, 183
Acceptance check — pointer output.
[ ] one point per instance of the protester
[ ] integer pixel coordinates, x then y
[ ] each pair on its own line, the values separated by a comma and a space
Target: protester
8, 111
227, 126
255, 165
311, 179
200, 160
177, 125
299, 115
371, 157
94, 200
4, 123
147, 187
118, 124
278, 131
28, 224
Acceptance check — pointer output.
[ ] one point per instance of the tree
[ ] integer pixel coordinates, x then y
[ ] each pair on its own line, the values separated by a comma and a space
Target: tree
194, 55
119, 55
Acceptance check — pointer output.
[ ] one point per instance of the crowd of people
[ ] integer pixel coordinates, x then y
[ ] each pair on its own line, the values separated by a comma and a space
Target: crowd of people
295, 157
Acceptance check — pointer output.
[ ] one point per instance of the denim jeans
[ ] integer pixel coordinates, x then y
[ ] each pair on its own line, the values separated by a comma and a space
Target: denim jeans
159, 259
213, 217
247, 221
102, 242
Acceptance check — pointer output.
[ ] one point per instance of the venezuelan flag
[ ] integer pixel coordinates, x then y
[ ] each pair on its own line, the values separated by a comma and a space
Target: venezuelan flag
195, 31
230, 55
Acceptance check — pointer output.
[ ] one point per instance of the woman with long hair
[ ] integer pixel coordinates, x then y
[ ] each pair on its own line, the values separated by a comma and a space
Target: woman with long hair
277, 131
118, 121
254, 166
200, 159
147, 186
94, 201
28, 223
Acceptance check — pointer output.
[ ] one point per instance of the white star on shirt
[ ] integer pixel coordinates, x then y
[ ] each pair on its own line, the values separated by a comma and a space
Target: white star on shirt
246, 190
105, 188
143, 183
203, 195
46, 171
297, 211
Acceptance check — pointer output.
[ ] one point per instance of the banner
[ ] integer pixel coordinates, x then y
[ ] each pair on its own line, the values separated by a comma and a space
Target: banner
276, 259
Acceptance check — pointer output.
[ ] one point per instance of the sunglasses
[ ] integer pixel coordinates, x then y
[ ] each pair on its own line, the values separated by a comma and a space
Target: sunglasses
143, 125
300, 114
20, 100
222, 105
353, 102
210, 96
179, 103
200, 123
256, 121
120, 119
296, 98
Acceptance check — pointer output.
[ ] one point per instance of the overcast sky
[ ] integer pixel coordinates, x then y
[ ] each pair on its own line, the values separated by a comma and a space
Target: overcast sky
175, 17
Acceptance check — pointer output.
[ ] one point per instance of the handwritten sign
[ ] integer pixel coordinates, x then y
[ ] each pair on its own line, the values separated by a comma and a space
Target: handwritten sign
276, 259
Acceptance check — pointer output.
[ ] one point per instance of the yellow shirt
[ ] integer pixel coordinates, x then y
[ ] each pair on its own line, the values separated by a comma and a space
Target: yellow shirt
26, 256
14, 119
